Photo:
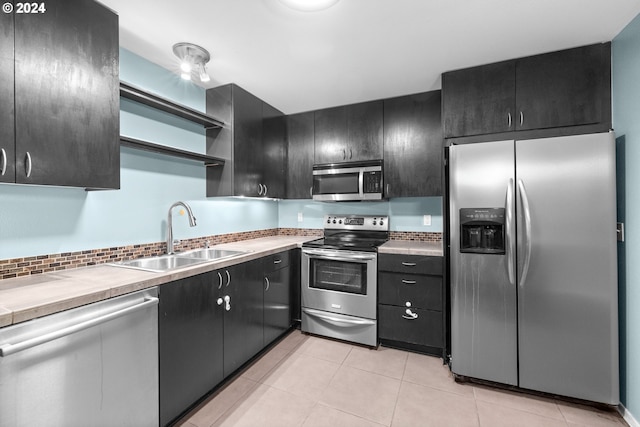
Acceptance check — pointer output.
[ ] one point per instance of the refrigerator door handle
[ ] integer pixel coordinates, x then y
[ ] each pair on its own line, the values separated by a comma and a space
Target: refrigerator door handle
510, 240
526, 212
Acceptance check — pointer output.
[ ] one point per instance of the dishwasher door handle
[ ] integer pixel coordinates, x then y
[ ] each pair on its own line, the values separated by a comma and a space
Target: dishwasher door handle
9, 349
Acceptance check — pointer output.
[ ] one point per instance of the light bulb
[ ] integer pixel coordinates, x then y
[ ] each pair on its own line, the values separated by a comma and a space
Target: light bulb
185, 66
202, 71
309, 5
186, 76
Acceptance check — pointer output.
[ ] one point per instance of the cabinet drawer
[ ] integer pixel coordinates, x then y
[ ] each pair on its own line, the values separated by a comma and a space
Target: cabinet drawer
421, 290
412, 264
426, 329
276, 261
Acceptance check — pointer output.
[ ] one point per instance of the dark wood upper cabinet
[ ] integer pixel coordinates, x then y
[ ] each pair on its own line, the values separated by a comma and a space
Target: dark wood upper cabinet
7, 130
564, 90
567, 88
479, 100
252, 145
300, 155
413, 145
67, 102
274, 144
348, 133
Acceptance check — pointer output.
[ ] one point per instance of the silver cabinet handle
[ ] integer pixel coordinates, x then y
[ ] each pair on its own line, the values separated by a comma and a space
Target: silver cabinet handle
350, 153
27, 164
408, 282
311, 192
409, 264
260, 190
9, 349
227, 300
220, 301
4, 162
277, 261
219, 281
266, 280
527, 231
344, 154
410, 315
266, 189
387, 189
509, 118
228, 278
521, 118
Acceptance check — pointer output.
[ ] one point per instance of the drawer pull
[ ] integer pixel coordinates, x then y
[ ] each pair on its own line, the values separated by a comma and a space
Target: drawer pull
278, 261
409, 264
410, 315
408, 282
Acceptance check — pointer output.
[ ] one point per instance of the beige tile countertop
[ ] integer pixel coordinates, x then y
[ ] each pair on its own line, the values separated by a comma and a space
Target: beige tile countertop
408, 247
26, 298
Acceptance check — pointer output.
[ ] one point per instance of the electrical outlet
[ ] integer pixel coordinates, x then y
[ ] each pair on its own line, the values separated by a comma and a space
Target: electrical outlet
426, 220
300, 217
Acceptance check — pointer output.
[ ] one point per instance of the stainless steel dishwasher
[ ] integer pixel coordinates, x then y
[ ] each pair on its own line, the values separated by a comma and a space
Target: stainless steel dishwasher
95, 365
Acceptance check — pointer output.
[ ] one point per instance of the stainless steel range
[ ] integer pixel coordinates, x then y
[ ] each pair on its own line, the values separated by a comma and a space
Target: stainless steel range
339, 278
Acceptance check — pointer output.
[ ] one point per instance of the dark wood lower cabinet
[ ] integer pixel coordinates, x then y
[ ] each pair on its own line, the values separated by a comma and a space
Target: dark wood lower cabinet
411, 311
211, 324
190, 343
243, 322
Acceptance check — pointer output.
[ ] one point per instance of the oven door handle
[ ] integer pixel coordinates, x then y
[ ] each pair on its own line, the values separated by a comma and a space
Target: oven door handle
337, 321
339, 256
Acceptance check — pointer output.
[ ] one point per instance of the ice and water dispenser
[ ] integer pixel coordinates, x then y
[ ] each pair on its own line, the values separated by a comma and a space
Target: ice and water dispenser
482, 230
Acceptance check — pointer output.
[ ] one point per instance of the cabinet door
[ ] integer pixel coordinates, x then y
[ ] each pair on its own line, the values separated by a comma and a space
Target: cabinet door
413, 145
479, 100
330, 131
300, 155
7, 130
190, 343
277, 303
274, 137
247, 140
364, 131
565, 88
67, 101
243, 322
424, 328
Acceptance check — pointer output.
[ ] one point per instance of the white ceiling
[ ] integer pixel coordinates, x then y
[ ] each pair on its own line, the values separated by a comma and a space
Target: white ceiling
359, 50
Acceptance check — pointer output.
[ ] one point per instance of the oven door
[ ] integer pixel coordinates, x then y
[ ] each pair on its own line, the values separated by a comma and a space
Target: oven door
338, 281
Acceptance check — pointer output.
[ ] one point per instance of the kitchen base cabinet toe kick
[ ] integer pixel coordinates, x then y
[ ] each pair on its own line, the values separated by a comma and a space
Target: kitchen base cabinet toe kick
410, 303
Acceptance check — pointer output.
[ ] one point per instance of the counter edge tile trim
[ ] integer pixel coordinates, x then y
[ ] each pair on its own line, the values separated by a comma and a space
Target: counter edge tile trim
47, 263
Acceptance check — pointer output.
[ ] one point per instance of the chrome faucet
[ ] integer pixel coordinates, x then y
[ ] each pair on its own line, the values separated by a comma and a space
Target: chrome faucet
192, 223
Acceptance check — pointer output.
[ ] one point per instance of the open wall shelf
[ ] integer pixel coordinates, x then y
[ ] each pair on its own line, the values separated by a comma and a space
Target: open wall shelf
159, 103
139, 144
146, 98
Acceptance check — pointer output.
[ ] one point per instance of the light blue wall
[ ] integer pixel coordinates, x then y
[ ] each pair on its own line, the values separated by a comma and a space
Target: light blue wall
626, 122
45, 220
406, 213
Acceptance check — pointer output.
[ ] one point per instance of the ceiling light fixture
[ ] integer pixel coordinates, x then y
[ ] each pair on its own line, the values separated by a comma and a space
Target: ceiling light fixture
192, 58
309, 5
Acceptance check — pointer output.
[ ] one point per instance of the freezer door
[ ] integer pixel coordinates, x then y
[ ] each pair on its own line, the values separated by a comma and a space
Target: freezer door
483, 288
568, 302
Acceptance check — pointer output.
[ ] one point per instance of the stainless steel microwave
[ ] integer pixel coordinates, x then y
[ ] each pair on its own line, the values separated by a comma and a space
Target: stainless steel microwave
348, 181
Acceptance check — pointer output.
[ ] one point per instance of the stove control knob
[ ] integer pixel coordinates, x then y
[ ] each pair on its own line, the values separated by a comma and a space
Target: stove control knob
374, 222
381, 222
340, 221
328, 220
334, 221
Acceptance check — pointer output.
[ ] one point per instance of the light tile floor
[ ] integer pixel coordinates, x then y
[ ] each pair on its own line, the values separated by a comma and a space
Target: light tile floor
308, 381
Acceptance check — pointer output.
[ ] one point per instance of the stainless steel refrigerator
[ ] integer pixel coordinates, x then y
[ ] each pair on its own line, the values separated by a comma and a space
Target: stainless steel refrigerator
534, 294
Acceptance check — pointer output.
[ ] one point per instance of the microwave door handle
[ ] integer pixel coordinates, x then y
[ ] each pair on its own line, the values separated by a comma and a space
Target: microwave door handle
361, 183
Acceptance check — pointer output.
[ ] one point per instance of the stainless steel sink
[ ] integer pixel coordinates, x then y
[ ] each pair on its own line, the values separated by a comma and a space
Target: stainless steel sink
211, 253
160, 264
163, 263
